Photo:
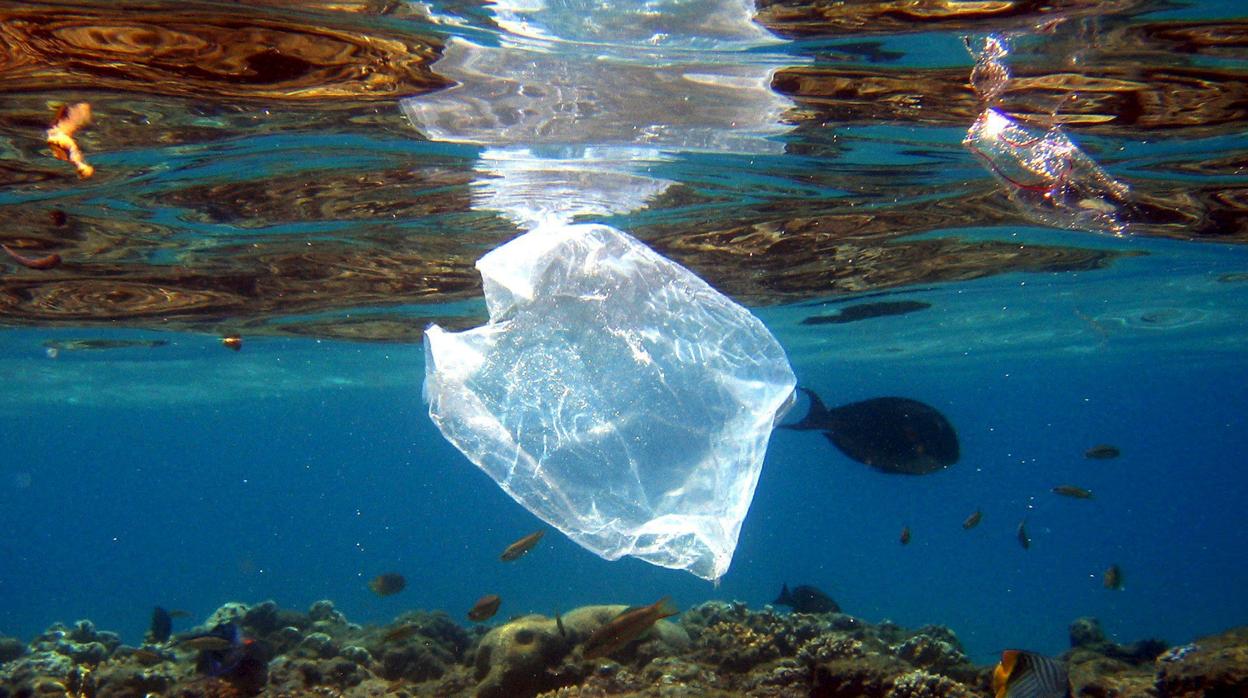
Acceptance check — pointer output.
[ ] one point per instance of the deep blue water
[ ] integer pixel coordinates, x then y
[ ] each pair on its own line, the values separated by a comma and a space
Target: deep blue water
201, 483
188, 476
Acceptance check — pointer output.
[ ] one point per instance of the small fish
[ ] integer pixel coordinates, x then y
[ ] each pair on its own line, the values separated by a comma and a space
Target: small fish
484, 608
517, 550
1113, 578
806, 599
161, 627
47, 262
559, 624
1022, 674
223, 651
905, 535
60, 136
973, 520
232, 341
1023, 540
207, 642
400, 632
626, 627
387, 584
1102, 452
177, 612
148, 657
1072, 491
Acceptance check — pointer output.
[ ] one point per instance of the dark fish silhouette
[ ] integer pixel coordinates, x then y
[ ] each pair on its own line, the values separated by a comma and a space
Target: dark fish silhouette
1102, 452
1022, 674
1072, 492
864, 311
1113, 578
806, 599
1023, 539
387, 584
973, 520
905, 535
162, 626
891, 434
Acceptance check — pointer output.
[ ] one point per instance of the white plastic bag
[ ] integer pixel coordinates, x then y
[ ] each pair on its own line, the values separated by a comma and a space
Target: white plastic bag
614, 394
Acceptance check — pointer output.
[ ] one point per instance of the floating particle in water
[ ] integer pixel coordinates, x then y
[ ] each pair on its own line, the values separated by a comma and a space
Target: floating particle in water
70, 118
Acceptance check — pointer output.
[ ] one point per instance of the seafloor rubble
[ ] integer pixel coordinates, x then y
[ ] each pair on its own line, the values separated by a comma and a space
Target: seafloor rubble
715, 649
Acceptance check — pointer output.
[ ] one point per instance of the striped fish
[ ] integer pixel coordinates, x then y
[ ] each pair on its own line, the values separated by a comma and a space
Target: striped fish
1022, 674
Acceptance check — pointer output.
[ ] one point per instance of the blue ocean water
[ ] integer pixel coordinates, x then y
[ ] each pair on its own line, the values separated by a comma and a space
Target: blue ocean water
298, 469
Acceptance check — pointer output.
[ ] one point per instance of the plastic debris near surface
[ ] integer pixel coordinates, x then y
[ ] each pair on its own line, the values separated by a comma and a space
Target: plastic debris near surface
614, 394
1042, 171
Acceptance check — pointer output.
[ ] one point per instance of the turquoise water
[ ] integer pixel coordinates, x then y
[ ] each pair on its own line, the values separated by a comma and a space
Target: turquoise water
297, 469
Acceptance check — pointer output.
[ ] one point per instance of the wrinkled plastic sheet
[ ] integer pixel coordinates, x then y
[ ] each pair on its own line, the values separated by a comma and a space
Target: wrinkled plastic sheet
1047, 177
614, 394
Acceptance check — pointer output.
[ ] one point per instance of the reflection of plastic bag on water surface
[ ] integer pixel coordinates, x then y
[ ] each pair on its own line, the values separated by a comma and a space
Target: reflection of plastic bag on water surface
1048, 176
614, 394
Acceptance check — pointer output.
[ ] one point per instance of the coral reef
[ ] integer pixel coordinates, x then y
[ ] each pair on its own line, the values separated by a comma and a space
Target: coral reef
715, 649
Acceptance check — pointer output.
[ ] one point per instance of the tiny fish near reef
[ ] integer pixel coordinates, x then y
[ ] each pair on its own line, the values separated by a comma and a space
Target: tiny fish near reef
485, 608
387, 584
626, 627
890, 434
161, 627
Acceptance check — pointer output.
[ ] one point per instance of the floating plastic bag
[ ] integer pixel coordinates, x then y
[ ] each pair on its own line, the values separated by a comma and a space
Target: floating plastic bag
614, 394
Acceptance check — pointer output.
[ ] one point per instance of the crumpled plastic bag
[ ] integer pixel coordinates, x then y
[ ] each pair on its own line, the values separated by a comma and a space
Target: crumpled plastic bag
1047, 176
614, 394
